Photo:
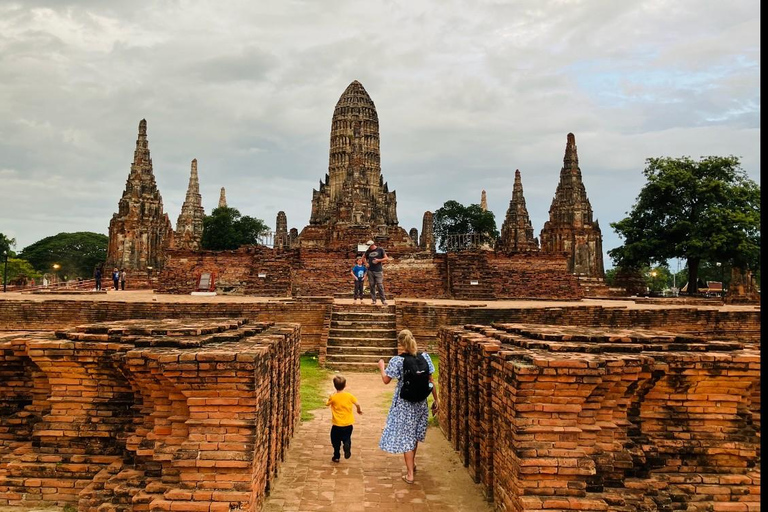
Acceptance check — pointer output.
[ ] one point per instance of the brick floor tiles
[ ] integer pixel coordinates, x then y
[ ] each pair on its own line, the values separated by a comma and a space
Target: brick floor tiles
371, 479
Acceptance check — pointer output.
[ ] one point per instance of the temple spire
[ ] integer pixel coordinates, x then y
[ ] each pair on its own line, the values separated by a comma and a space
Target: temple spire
483, 202
223, 198
189, 226
517, 230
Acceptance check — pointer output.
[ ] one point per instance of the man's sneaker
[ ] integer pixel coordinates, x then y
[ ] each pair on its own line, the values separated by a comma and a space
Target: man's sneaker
334, 459
347, 450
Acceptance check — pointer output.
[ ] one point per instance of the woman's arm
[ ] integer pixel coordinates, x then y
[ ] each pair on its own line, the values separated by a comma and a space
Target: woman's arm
434, 393
386, 379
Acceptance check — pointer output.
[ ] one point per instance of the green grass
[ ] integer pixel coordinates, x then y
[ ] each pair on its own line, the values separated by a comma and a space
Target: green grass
314, 381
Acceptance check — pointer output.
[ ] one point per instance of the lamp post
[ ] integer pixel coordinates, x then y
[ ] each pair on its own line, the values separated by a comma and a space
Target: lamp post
722, 286
5, 271
56, 268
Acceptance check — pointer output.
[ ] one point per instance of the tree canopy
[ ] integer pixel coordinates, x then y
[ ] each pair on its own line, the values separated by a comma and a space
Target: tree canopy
78, 254
226, 229
5, 245
453, 218
706, 210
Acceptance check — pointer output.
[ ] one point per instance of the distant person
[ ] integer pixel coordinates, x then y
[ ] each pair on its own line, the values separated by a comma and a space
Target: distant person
374, 257
122, 279
358, 274
97, 278
341, 403
408, 414
116, 278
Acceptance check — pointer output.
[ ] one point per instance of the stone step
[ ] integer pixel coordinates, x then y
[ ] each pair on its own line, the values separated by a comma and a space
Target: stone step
363, 324
366, 307
351, 367
362, 342
356, 358
385, 352
362, 332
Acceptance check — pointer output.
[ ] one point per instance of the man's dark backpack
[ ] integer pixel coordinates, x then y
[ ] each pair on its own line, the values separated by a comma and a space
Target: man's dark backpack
416, 386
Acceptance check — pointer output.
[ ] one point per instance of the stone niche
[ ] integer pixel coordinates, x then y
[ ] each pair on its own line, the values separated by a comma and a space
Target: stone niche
145, 415
575, 418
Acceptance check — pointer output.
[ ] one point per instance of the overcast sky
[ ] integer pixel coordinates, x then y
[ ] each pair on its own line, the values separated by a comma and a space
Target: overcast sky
466, 93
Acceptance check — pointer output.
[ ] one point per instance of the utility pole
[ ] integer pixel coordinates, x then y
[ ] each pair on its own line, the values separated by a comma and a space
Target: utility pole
5, 273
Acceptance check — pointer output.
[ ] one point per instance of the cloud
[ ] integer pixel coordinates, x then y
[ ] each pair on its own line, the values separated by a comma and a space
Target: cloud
465, 95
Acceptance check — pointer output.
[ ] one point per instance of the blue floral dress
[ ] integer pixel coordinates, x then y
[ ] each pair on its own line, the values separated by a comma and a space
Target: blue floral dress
406, 421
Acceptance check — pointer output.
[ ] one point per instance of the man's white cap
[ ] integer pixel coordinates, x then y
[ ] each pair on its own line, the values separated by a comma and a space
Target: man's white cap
369, 242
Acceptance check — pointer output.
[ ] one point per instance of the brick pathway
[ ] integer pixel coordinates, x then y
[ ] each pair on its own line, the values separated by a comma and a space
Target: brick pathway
371, 479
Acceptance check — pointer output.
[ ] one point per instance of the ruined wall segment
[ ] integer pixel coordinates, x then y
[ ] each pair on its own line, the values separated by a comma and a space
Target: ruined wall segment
427, 239
189, 226
354, 203
517, 230
144, 415
570, 228
140, 232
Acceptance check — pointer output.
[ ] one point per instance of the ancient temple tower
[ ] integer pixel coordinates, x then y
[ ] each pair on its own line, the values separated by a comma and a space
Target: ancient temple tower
354, 203
281, 231
414, 234
517, 230
427, 240
223, 198
483, 202
570, 227
189, 226
140, 232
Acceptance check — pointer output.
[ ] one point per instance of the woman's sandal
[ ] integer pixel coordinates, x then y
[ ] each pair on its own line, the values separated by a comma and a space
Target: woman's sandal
405, 479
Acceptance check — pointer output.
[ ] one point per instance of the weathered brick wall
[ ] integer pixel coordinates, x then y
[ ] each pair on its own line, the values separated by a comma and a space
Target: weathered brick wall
311, 272
589, 419
148, 415
424, 320
313, 314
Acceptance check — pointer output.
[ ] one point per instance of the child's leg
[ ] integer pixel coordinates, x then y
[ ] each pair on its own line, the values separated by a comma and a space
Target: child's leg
336, 435
347, 441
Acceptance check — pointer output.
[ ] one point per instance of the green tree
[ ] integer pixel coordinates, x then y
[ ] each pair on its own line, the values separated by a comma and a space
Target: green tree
226, 229
18, 268
6, 244
78, 254
453, 218
697, 210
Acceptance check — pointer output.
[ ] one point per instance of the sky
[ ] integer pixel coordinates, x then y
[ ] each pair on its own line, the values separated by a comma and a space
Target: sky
466, 92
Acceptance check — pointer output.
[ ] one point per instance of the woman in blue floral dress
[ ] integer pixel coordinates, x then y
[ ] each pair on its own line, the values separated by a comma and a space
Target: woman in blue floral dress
406, 421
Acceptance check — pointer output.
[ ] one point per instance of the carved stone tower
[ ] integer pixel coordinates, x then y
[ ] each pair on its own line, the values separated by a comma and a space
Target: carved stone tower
189, 226
427, 240
140, 232
483, 202
223, 198
354, 203
281, 231
570, 227
517, 230
414, 234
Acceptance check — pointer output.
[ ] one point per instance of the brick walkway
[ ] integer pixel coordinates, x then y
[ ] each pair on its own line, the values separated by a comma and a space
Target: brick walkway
371, 479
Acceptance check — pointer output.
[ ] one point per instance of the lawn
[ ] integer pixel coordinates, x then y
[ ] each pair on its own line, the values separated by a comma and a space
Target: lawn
314, 383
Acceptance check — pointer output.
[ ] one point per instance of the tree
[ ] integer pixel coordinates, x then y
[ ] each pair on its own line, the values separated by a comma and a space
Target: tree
453, 218
78, 254
705, 210
226, 229
6, 244
19, 269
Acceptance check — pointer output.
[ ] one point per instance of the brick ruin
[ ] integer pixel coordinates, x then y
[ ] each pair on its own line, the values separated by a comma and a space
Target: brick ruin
570, 228
189, 226
517, 230
142, 415
564, 418
140, 232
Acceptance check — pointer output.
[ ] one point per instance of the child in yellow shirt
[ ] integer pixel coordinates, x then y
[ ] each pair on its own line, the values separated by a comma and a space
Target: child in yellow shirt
341, 404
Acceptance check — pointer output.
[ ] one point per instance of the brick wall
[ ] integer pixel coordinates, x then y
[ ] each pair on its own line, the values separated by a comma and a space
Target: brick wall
148, 415
574, 418
313, 314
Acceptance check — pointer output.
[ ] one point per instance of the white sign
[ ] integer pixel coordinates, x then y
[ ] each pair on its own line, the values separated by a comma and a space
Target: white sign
362, 247
474, 283
262, 275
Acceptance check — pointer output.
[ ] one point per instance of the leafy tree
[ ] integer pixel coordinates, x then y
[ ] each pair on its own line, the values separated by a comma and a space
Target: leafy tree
453, 218
705, 210
78, 254
5, 245
21, 268
226, 229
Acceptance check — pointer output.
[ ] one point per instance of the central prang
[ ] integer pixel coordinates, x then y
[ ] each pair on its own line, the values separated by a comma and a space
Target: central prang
354, 203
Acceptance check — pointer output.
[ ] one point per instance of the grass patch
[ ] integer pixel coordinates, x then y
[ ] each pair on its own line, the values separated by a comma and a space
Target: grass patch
313, 390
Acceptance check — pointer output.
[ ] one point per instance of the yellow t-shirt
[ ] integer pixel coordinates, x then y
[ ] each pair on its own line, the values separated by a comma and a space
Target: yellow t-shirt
341, 404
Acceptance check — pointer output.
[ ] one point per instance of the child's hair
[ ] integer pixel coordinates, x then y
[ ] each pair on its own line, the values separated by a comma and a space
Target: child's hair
406, 340
339, 382
359, 258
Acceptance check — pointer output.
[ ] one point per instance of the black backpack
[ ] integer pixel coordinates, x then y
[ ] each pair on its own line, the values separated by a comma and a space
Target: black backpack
416, 386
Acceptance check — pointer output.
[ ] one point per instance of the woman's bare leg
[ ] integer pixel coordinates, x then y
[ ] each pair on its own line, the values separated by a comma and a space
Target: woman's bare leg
409, 459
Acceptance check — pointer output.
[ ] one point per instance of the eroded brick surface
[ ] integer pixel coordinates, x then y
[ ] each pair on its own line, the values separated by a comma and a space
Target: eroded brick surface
147, 415
575, 418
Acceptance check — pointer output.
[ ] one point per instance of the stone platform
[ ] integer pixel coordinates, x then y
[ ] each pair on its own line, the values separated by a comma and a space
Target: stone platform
142, 415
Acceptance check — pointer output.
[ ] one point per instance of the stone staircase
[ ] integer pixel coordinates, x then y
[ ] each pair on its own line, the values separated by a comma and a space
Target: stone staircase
359, 336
